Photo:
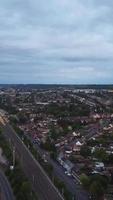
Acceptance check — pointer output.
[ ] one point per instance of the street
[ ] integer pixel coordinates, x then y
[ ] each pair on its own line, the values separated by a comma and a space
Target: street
42, 185
5, 187
72, 184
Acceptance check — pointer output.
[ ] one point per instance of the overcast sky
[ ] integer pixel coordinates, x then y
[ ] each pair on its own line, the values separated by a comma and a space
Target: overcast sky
56, 41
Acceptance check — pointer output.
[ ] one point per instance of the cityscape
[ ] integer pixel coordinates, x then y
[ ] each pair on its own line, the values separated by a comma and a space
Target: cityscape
56, 100
58, 141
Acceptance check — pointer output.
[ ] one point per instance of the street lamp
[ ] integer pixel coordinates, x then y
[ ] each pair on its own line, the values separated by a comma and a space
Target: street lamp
13, 165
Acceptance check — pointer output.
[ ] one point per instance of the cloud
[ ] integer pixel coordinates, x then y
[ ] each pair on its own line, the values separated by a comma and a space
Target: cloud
56, 41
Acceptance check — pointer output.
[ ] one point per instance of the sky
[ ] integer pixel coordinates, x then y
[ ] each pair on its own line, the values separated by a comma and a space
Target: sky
56, 41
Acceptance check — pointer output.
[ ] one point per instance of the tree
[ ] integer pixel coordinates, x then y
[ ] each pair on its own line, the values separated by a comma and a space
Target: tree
101, 154
22, 117
110, 159
85, 151
103, 180
98, 186
25, 187
85, 180
97, 190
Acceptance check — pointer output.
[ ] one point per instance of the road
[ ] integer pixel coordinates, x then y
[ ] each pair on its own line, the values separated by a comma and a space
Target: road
5, 187
71, 184
42, 185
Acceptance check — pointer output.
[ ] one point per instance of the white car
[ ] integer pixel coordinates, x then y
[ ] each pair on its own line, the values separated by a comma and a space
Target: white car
68, 174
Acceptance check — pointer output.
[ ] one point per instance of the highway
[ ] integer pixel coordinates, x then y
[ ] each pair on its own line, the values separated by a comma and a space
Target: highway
37, 178
72, 185
42, 185
5, 188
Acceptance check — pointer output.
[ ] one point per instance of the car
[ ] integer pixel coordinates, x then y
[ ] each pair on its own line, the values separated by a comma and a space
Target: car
68, 174
45, 160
